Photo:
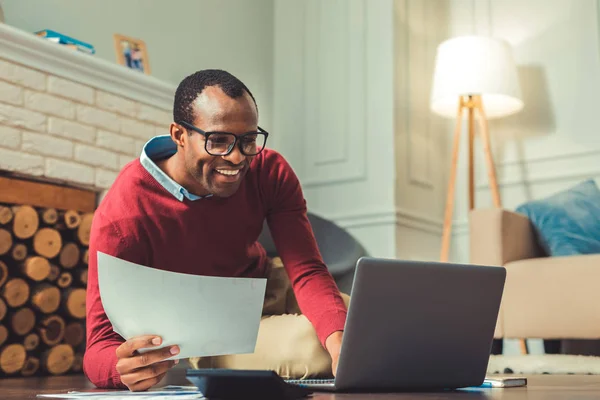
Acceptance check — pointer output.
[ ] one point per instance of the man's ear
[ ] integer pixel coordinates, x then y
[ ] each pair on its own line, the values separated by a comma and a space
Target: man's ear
178, 134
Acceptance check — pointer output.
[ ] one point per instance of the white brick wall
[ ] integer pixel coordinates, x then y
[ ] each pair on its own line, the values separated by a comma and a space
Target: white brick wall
96, 156
22, 76
16, 161
105, 178
153, 114
69, 171
71, 90
11, 94
96, 117
40, 143
116, 142
10, 138
49, 104
69, 132
22, 118
118, 104
132, 127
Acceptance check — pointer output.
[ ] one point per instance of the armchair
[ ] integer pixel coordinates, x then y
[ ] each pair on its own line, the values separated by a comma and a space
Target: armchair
544, 297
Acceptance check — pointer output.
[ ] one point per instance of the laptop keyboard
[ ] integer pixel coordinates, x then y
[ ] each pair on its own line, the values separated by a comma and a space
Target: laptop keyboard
310, 381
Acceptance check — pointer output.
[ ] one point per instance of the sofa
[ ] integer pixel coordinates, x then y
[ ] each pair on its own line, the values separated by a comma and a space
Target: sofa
545, 297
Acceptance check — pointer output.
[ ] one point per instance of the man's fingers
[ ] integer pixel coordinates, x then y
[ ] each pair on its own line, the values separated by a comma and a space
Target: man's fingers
148, 358
129, 348
146, 375
147, 384
154, 356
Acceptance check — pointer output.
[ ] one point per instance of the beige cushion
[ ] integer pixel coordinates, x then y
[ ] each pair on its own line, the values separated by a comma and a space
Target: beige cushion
552, 298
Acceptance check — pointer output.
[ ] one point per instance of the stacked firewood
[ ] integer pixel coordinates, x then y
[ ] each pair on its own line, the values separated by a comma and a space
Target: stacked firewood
43, 277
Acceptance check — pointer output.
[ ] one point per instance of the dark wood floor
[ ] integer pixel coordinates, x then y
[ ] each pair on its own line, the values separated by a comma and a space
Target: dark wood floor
546, 387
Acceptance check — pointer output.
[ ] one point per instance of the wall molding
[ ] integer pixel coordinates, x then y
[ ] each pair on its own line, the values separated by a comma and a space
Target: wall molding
399, 217
570, 165
29, 50
346, 162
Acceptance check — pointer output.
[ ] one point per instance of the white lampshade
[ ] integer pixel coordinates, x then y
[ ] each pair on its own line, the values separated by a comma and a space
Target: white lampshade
476, 65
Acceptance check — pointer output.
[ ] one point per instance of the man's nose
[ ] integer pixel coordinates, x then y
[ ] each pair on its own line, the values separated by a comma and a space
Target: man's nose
235, 157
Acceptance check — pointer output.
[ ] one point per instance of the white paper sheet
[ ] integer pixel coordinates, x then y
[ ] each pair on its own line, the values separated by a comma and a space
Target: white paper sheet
204, 315
166, 392
124, 395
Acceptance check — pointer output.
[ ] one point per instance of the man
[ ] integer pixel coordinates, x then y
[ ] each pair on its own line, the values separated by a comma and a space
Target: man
195, 202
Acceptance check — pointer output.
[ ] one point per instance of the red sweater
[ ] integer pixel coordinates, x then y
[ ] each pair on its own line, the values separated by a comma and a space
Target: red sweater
140, 221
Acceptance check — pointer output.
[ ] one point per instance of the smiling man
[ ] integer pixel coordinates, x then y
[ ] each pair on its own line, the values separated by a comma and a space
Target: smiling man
195, 202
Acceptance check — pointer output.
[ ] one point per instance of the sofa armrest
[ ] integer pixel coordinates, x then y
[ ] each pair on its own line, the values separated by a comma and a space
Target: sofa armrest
499, 236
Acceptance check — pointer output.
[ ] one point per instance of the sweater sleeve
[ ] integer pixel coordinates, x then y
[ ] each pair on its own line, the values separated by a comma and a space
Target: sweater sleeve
316, 292
100, 357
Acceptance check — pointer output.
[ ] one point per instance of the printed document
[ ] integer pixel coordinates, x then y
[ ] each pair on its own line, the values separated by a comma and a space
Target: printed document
204, 315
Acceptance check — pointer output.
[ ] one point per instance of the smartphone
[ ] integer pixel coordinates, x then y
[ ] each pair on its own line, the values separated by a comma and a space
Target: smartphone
504, 381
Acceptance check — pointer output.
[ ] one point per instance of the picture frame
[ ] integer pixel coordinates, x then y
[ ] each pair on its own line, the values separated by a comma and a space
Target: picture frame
132, 53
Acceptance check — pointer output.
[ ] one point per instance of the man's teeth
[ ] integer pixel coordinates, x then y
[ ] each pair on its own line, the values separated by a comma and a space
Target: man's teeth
228, 171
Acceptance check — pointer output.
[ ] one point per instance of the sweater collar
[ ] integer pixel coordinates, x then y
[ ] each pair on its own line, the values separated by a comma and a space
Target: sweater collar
157, 148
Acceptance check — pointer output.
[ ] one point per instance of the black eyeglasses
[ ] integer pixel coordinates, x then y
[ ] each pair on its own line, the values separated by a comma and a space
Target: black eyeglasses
222, 143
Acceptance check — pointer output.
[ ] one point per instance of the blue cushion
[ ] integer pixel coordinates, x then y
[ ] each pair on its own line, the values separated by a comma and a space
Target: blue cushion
568, 222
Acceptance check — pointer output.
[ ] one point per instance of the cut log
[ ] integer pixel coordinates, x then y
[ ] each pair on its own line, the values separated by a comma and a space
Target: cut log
36, 268
86, 257
47, 242
32, 365
52, 330
6, 241
58, 360
3, 309
49, 216
83, 277
15, 292
69, 255
25, 222
74, 334
3, 334
72, 219
22, 321
6, 215
54, 273
74, 302
3, 273
19, 252
12, 358
77, 363
31, 341
83, 232
46, 298
64, 280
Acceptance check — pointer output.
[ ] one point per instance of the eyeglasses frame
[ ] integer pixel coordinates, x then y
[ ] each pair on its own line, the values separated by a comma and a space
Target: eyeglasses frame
236, 140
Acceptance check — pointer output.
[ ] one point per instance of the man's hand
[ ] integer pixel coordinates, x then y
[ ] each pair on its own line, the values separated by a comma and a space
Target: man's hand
333, 343
142, 371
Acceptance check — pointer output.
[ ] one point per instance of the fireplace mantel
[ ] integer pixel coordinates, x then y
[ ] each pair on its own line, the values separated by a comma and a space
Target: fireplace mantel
28, 49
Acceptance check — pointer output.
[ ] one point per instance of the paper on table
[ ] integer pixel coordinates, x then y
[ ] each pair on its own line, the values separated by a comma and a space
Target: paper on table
204, 315
166, 392
126, 396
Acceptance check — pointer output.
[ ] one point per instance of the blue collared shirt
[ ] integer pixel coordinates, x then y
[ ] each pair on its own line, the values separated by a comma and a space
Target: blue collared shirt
157, 148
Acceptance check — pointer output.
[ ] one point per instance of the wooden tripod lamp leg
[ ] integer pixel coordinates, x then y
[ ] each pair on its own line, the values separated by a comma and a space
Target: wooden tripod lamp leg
451, 185
485, 140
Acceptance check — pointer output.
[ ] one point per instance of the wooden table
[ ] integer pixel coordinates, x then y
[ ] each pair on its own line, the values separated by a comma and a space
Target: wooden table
546, 387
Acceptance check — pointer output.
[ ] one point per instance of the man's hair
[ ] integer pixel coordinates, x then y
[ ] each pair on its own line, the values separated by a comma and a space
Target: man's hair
191, 86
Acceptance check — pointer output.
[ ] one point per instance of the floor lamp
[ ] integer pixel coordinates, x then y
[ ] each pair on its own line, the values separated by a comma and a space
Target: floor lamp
475, 78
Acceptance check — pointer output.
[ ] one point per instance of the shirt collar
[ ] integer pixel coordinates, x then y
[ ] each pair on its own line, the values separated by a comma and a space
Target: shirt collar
157, 148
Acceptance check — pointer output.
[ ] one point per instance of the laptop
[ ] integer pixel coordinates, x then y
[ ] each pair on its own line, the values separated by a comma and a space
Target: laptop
416, 325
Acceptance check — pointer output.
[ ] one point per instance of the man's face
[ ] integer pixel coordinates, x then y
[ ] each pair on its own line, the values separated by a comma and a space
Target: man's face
215, 111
